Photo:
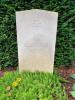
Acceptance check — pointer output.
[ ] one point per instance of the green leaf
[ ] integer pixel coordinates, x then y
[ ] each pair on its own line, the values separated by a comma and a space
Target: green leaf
72, 76
63, 80
73, 94
73, 87
1, 88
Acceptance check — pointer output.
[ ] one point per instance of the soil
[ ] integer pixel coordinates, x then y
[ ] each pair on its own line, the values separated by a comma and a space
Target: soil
62, 71
65, 73
6, 70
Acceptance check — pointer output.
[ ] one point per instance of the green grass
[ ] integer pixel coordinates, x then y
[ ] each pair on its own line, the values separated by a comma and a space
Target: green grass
33, 86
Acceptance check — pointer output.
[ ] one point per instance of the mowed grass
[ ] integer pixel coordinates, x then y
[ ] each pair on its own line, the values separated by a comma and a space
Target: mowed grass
31, 86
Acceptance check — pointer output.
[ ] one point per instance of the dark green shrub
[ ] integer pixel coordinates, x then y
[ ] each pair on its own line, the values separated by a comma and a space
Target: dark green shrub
66, 26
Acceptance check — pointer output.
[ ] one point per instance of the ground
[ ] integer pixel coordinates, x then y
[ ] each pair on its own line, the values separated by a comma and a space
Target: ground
65, 73
62, 71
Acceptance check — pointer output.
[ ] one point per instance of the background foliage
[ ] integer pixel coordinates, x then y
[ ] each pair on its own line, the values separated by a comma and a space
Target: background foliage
66, 29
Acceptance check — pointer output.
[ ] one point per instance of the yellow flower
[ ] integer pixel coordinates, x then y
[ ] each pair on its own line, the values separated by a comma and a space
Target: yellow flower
14, 84
18, 79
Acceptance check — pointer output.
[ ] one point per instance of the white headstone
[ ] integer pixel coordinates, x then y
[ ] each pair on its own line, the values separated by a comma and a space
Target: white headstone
36, 37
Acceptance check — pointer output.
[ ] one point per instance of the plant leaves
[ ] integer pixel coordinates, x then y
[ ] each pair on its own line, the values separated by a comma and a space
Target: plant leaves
8, 88
73, 87
72, 76
73, 94
63, 80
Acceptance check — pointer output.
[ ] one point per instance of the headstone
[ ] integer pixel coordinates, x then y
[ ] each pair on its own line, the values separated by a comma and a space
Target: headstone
36, 38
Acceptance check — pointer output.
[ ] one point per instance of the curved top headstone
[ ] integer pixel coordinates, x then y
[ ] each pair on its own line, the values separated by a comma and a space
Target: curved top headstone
36, 38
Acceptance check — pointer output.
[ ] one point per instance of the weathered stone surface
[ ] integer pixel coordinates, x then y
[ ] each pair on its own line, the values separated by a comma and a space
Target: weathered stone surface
36, 38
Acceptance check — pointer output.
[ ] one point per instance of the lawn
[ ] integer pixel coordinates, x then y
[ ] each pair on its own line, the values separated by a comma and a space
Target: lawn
31, 86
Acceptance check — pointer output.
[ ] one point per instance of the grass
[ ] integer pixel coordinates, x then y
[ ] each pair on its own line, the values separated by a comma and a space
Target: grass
31, 86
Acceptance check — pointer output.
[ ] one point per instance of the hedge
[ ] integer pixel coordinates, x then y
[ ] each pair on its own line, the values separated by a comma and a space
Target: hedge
65, 45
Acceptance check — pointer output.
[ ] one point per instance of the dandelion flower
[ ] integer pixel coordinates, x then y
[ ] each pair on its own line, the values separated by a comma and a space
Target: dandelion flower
18, 79
14, 84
